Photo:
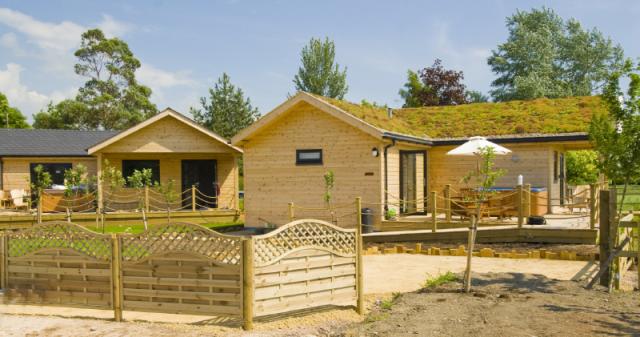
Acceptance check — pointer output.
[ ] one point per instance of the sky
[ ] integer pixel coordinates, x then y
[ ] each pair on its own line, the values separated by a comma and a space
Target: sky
185, 46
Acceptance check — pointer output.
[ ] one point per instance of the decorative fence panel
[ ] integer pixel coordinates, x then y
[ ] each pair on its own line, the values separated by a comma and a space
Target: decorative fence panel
58, 264
304, 264
182, 268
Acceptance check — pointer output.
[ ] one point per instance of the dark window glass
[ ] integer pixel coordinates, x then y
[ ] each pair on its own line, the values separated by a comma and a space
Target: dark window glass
555, 166
309, 157
128, 166
56, 170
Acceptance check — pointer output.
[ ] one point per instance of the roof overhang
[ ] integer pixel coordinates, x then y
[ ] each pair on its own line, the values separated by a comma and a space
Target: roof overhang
301, 96
168, 112
513, 139
405, 138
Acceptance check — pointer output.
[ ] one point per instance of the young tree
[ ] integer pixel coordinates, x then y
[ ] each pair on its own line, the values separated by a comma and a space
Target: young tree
10, 117
545, 56
226, 111
616, 135
582, 167
111, 99
138, 180
76, 182
42, 181
111, 180
319, 74
169, 195
434, 86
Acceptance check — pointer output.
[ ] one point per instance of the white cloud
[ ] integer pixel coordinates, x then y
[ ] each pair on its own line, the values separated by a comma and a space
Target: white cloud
51, 45
18, 94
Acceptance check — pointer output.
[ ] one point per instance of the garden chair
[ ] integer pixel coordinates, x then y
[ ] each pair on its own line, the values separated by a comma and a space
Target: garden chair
4, 199
17, 197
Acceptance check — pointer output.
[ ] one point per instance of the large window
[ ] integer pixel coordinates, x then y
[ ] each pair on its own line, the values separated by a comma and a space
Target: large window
128, 166
309, 157
56, 170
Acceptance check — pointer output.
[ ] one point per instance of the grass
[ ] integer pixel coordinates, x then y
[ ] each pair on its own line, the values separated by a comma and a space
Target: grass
433, 282
388, 303
562, 115
139, 228
632, 198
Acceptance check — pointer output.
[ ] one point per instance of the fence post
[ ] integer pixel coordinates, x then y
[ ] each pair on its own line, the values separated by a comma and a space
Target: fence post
115, 277
520, 206
447, 201
39, 208
247, 284
146, 198
4, 247
193, 198
527, 200
359, 280
291, 212
434, 211
593, 212
607, 232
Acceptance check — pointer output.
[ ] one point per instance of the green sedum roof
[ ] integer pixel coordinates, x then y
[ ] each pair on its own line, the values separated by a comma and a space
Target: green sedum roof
540, 116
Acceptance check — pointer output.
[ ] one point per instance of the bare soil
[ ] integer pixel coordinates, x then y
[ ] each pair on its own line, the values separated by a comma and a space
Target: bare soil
507, 304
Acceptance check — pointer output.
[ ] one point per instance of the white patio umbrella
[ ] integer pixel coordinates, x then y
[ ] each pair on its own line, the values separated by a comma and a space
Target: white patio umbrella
473, 147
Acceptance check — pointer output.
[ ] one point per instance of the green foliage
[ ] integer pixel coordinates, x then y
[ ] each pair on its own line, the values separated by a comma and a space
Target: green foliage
561, 115
42, 181
227, 111
391, 213
111, 99
582, 167
433, 282
67, 114
387, 304
546, 56
140, 178
74, 179
616, 136
434, 85
111, 178
485, 176
474, 96
10, 117
319, 74
329, 182
169, 194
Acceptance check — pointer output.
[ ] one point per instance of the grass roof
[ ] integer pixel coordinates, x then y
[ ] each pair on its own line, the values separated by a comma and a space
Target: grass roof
539, 116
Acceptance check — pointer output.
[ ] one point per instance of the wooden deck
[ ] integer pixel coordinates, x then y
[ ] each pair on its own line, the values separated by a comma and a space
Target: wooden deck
527, 234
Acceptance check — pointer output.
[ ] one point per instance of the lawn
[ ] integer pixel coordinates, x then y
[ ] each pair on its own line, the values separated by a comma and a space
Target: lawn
632, 198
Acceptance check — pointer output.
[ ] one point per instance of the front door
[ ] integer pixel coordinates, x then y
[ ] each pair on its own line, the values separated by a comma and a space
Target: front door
203, 175
408, 182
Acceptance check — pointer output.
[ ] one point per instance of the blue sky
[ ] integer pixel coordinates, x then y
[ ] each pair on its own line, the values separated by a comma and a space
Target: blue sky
185, 46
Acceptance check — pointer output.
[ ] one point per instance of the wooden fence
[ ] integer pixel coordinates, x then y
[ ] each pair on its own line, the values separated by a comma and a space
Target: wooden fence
184, 268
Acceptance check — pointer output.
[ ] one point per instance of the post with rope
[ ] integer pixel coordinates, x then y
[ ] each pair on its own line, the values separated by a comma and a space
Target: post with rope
470, 243
527, 200
193, 198
434, 212
520, 206
291, 212
359, 273
39, 208
593, 206
447, 201
146, 198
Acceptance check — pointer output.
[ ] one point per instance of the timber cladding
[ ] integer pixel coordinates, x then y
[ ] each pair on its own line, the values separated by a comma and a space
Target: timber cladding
272, 178
182, 268
16, 172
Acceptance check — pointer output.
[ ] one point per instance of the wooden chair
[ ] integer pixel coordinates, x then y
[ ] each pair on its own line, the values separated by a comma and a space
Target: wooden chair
4, 199
18, 199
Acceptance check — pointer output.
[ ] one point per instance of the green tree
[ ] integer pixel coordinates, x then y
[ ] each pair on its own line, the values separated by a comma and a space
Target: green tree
413, 90
582, 167
616, 135
474, 96
226, 111
11, 118
546, 56
319, 74
42, 180
434, 85
111, 98
67, 114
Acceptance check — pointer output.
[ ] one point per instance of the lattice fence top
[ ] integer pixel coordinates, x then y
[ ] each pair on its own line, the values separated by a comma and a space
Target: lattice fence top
57, 234
185, 238
303, 234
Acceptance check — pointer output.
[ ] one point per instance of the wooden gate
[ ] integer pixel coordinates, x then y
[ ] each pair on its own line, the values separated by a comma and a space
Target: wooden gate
304, 264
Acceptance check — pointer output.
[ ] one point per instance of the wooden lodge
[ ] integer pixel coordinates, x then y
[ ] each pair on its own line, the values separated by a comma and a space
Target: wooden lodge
396, 158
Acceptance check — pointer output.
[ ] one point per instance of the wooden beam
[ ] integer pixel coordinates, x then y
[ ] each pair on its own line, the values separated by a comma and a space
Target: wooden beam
359, 272
247, 284
116, 283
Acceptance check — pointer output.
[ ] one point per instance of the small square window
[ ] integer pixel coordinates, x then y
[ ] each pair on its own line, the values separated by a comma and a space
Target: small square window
309, 157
